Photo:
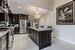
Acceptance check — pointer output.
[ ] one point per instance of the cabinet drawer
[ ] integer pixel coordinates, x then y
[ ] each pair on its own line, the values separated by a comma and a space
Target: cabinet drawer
3, 39
4, 46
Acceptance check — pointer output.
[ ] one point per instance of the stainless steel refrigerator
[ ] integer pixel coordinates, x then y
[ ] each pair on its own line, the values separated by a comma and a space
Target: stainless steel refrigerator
23, 25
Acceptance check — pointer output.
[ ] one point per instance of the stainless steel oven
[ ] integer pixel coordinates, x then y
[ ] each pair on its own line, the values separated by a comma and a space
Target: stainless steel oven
11, 38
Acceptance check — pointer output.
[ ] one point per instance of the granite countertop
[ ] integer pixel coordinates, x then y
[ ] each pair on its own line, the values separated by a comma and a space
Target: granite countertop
2, 33
10, 26
41, 29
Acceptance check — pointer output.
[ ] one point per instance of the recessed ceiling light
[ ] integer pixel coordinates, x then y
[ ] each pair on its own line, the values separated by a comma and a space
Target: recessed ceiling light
37, 12
19, 7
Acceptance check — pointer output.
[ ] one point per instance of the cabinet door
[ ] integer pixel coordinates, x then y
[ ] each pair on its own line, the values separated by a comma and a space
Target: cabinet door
0, 3
41, 39
47, 37
2, 16
4, 46
36, 36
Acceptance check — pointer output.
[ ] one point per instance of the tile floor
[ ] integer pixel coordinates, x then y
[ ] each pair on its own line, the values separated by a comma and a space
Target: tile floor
23, 42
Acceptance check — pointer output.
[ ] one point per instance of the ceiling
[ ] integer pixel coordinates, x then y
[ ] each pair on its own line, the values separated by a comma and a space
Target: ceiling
30, 7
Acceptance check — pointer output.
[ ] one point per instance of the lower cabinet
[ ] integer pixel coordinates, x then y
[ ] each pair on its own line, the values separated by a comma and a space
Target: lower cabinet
40, 38
16, 30
44, 39
3, 43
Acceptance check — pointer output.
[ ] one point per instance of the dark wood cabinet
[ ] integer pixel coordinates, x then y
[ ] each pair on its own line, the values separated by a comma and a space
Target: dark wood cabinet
1, 2
41, 38
25, 17
4, 42
16, 30
3, 7
15, 19
2, 16
4, 4
45, 38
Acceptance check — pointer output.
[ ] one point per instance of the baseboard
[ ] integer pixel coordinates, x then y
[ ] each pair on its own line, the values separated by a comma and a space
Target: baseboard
67, 41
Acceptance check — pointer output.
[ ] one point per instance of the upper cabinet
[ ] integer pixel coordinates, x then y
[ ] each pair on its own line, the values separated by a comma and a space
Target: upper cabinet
4, 5
4, 10
0, 2
2, 16
23, 16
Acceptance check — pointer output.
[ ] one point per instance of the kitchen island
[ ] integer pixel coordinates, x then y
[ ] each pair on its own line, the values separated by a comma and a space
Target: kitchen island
40, 36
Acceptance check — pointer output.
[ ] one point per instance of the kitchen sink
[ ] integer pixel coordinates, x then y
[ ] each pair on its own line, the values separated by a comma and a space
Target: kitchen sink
10, 25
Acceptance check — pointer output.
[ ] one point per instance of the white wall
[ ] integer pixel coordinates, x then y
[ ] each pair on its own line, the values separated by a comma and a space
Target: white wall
65, 32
